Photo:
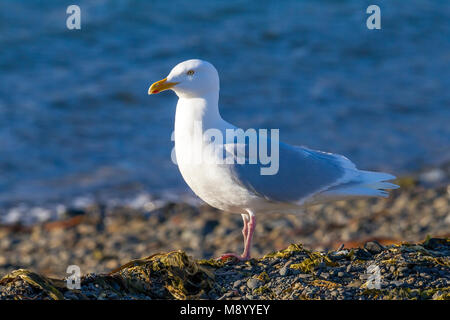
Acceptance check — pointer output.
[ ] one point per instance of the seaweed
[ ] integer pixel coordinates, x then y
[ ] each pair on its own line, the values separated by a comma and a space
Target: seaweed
263, 276
408, 293
286, 253
180, 275
35, 280
308, 265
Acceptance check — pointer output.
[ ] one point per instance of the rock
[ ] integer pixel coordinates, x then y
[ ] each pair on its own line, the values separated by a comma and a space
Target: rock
253, 283
355, 284
325, 275
435, 244
237, 283
227, 295
373, 247
284, 271
362, 254
397, 283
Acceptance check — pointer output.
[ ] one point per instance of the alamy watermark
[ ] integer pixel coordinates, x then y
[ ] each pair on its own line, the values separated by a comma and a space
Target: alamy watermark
374, 20
251, 146
74, 280
74, 20
374, 277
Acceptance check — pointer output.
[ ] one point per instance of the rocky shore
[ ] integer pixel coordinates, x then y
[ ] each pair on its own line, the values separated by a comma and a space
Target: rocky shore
407, 271
340, 245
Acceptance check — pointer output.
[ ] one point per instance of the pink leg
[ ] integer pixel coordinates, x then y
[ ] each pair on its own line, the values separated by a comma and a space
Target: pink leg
245, 228
249, 238
247, 231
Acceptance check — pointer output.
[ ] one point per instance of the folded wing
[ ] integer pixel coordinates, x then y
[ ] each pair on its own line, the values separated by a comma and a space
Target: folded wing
307, 176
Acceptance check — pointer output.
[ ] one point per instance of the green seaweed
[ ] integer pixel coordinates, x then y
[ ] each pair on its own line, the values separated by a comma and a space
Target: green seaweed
264, 290
325, 283
211, 263
263, 276
308, 265
407, 293
286, 253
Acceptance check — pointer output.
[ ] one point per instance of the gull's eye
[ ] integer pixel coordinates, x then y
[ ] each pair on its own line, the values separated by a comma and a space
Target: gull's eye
190, 72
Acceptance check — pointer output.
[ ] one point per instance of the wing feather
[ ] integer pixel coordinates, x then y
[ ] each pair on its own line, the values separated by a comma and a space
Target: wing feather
302, 172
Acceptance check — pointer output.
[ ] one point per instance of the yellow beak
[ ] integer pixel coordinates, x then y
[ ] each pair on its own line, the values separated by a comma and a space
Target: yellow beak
161, 85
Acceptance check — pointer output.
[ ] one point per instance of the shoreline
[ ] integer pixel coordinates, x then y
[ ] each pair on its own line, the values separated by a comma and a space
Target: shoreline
99, 238
29, 213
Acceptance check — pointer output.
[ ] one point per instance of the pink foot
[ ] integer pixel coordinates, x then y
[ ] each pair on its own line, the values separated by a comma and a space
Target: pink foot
247, 231
232, 255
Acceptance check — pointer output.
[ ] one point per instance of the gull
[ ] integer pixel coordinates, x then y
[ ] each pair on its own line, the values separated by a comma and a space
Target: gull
303, 176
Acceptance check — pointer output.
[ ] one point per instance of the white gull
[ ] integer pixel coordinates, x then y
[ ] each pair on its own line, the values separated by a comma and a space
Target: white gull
303, 176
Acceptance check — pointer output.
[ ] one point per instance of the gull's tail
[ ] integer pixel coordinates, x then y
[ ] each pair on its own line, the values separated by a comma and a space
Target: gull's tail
353, 184
363, 184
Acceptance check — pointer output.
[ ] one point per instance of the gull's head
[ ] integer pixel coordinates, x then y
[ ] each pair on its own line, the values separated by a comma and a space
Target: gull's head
189, 79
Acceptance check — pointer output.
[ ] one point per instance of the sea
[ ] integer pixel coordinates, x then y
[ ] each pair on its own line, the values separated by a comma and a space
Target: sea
77, 125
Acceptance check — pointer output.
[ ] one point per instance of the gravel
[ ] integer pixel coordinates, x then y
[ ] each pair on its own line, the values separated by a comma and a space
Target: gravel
253, 283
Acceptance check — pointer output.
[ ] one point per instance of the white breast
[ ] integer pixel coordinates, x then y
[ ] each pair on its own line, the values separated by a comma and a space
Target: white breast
206, 176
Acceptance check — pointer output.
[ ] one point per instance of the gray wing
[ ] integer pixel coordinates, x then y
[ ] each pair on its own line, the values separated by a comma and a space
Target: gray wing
301, 173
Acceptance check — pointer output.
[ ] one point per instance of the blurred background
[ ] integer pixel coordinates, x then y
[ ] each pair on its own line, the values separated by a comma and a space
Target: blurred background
75, 118
78, 128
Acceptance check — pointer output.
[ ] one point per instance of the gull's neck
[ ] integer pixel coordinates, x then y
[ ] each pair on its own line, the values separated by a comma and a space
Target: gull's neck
195, 111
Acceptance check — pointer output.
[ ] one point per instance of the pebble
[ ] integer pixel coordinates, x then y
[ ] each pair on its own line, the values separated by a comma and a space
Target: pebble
253, 283
283, 271
227, 295
437, 295
325, 275
397, 283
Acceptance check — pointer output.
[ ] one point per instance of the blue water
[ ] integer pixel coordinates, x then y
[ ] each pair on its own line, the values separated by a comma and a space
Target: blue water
75, 117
